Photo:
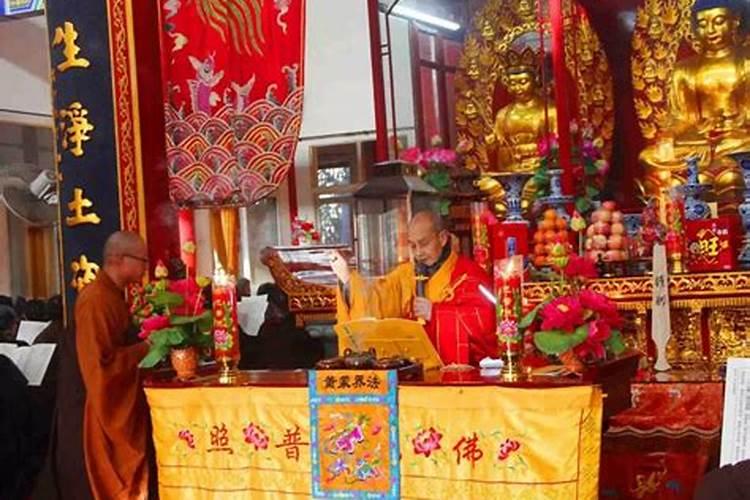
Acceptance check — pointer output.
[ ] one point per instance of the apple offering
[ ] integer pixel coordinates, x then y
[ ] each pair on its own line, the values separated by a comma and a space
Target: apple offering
605, 236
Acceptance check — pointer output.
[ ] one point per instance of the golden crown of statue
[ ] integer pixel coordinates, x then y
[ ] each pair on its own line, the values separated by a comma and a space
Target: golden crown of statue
517, 59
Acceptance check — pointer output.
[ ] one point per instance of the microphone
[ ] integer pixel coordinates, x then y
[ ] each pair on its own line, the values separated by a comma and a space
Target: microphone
421, 276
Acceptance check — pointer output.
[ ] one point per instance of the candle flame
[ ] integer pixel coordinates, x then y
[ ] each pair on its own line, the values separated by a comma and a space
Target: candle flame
221, 277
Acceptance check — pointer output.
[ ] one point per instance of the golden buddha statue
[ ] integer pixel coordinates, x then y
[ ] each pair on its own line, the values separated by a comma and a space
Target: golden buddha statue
520, 125
707, 117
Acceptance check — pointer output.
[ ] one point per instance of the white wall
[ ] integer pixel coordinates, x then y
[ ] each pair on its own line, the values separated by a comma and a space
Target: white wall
338, 106
25, 95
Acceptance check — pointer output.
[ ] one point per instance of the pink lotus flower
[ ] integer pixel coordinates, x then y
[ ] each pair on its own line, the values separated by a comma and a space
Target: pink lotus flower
507, 448
563, 313
256, 436
152, 324
548, 145
220, 336
441, 156
426, 442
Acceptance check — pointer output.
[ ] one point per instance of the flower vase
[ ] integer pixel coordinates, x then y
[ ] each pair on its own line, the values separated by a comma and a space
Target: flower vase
743, 160
571, 362
695, 207
185, 362
556, 199
513, 184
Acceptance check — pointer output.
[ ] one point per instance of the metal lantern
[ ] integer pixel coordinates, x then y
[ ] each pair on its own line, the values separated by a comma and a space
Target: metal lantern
384, 205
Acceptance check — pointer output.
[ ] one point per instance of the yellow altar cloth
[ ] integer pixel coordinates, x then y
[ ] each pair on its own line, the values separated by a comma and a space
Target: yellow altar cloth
475, 441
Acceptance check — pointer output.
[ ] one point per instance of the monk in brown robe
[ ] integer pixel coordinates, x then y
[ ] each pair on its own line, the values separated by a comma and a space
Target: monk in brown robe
115, 414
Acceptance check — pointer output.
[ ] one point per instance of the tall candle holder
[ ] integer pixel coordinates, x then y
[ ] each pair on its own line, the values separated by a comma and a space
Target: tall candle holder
509, 286
225, 329
743, 160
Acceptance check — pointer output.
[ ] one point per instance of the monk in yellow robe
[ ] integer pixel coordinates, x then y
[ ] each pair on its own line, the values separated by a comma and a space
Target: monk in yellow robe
115, 413
458, 319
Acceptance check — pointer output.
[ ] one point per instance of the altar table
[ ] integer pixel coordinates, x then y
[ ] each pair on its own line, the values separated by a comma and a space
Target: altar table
470, 438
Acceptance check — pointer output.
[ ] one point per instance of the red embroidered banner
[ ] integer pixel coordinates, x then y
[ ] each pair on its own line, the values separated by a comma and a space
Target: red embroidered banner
233, 72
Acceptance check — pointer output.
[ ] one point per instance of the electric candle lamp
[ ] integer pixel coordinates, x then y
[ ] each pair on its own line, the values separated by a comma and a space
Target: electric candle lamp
225, 330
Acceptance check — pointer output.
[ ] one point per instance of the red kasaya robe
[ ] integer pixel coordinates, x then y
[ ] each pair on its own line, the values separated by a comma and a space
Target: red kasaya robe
115, 414
462, 326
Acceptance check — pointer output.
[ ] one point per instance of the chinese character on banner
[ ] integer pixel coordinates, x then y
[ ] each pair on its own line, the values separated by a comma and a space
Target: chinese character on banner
76, 206
75, 127
292, 442
344, 382
84, 272
220, 439
467, 448
373, 382
67, 36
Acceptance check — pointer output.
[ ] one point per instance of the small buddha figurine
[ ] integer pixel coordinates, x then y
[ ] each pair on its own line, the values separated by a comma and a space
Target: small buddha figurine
708, 108
520, 125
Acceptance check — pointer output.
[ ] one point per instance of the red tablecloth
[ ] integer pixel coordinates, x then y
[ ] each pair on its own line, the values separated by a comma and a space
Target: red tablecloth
662, 446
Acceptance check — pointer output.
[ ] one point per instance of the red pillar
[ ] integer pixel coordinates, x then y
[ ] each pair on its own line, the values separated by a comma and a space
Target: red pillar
562, 98
376, 58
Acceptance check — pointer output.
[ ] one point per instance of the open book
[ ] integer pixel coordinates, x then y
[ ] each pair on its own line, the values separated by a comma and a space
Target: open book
389, 337
33, 361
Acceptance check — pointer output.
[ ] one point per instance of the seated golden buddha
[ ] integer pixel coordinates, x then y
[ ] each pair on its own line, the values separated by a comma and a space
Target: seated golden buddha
708, 105
521, 124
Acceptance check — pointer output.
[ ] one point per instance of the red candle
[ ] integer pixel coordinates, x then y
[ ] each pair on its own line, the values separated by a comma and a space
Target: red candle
226, 331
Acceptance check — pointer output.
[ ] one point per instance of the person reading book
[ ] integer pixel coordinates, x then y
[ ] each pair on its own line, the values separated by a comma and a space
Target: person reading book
439, 287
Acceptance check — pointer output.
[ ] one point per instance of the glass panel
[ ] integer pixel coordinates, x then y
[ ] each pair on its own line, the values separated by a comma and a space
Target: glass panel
335, 223
334, 176
427, 47
430, 109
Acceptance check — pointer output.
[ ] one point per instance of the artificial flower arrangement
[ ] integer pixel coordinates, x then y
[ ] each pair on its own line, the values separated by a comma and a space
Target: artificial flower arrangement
589, 165
171, 316
304, 233
577, 325
435, 165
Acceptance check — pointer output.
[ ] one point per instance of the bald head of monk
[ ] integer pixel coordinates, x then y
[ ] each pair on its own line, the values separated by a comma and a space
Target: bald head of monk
427, 237
125, 258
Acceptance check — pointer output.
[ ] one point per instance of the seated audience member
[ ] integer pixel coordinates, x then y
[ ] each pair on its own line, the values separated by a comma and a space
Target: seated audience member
244, 288
17, 458
731, 482
36, 310
6, 301
8, 324
280, 344
20, 306
64, 474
